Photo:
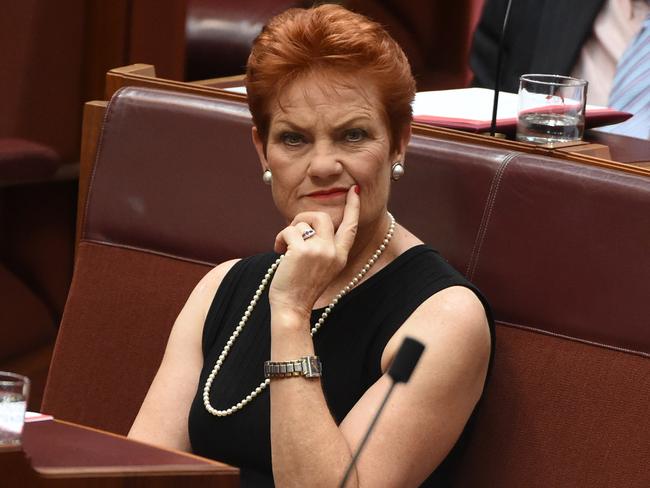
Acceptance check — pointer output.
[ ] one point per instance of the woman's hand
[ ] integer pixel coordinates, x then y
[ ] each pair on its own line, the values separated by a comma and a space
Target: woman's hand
309, 266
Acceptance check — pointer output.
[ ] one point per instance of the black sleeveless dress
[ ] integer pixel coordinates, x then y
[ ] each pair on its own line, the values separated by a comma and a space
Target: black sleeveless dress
350, 345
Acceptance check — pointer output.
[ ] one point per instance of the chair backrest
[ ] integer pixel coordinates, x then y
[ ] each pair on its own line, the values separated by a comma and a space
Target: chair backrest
175, 189
559, 248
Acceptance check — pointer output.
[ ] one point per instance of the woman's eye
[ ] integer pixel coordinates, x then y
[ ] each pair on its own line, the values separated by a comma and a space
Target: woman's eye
355, 135
292, 139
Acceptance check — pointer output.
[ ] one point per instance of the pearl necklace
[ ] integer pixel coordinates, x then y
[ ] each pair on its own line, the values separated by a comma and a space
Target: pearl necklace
249, 310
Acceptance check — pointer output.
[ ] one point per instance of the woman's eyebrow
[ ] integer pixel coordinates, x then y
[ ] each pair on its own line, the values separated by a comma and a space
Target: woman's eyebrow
289, 124
286, 123
352, 120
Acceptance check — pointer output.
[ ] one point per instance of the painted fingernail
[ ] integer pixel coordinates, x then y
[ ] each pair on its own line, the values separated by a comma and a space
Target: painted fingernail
357, 189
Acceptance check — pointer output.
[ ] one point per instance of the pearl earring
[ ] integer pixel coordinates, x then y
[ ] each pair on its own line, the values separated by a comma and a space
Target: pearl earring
396, 171
267, 177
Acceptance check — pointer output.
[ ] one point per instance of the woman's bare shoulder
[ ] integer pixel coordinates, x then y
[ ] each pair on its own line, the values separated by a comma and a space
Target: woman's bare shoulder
454, 315
213, 278
204, 291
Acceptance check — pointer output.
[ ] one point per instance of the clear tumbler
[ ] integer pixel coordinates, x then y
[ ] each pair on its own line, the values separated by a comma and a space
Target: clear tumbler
14, 392
551, 109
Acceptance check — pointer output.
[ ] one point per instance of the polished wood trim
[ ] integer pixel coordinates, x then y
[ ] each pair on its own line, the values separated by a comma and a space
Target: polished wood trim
484, 140
114, 77
223, 82
137, 69
586, 148
119, 78
93, 119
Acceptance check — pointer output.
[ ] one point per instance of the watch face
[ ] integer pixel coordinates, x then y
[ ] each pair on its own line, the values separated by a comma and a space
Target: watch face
314, 367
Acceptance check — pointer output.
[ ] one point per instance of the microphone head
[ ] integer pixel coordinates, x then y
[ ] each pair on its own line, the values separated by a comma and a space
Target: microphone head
406, 359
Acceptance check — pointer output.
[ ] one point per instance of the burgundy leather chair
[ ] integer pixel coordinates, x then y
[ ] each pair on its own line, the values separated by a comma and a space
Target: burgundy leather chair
176, 188
559, 248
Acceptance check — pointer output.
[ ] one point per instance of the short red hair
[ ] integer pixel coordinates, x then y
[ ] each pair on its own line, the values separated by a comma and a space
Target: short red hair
299, 42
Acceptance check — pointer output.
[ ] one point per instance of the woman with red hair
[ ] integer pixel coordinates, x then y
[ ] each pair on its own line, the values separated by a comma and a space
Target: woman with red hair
281, 359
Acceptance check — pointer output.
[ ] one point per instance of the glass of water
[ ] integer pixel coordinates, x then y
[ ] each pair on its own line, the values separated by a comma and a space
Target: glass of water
14, 392
551, 109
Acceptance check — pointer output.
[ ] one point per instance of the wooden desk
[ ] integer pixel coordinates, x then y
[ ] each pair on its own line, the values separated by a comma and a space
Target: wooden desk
629, 150
62, 454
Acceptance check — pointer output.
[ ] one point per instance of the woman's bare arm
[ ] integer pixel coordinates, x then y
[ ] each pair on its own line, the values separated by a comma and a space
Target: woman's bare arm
162, 419
425, 417
422, 421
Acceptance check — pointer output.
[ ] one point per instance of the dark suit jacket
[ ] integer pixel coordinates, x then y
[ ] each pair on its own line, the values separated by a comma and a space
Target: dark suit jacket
543, 36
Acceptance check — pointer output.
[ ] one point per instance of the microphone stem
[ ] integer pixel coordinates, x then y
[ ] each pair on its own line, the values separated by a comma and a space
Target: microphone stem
353, 463
497, 79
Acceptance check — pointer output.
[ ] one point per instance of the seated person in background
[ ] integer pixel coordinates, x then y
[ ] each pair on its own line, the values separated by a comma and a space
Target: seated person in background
601, 41
330, 95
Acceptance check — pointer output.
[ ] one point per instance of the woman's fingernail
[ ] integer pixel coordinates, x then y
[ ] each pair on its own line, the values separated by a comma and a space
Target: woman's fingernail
357, 189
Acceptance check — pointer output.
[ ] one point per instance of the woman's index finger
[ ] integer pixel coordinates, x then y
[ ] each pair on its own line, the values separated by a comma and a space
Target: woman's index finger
347, 231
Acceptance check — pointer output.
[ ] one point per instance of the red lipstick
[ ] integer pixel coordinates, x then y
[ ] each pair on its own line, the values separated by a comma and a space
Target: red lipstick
329, 193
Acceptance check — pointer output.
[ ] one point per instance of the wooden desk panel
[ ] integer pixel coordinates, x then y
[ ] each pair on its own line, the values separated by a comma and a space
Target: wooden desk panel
58, 453
623, 149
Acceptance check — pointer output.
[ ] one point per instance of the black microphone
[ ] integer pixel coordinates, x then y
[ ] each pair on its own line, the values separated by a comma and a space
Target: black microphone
400, 371
497, 79
407, 357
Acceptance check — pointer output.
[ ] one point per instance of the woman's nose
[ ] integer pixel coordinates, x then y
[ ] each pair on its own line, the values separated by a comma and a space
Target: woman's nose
324, 161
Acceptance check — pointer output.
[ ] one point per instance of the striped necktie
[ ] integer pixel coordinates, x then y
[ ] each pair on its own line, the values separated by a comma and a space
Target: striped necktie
631, 86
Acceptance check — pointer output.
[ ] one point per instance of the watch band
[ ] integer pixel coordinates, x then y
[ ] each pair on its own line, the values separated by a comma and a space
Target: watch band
307, 366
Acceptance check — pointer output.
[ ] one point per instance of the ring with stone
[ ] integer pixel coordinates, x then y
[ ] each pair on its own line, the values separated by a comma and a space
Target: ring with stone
308, 233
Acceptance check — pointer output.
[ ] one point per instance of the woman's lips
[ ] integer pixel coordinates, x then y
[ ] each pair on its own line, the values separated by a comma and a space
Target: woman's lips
328, 194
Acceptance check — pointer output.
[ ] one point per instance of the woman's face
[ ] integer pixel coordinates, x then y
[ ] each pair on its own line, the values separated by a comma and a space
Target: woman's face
325, 137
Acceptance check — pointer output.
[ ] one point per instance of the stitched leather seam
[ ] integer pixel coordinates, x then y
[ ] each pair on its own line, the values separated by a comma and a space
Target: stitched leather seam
575, 339
487, 213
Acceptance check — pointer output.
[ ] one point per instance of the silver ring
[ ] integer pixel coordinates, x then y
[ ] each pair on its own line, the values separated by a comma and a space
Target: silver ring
308, 233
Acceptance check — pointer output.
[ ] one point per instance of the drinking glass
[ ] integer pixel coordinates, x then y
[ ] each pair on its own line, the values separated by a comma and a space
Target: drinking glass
551, 109
14, 391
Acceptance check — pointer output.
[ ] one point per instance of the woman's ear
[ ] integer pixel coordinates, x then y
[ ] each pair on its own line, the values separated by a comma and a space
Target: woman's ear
404, 142
405, 137
259, 147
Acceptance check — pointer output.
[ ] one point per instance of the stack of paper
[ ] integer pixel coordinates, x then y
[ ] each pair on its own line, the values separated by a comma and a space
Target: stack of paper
470, 109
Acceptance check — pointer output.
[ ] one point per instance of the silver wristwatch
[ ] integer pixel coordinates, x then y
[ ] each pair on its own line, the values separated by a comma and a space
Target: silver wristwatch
308, 366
